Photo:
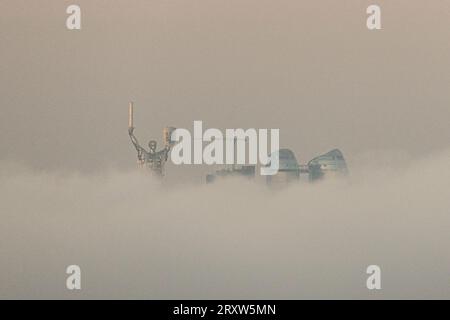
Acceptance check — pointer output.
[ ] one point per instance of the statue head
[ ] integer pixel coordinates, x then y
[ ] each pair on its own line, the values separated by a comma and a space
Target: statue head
152, 145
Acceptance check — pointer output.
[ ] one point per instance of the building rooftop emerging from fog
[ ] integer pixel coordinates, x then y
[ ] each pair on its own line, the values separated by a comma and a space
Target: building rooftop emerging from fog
329, 165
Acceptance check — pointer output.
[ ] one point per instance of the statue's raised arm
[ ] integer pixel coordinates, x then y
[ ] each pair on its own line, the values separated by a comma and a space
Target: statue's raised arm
140, 150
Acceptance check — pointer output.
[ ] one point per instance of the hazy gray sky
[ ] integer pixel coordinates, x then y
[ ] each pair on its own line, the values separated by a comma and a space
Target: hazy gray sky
310, 68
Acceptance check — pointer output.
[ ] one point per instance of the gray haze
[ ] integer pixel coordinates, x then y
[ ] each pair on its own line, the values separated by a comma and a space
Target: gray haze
310, 68
135, 239
70, 193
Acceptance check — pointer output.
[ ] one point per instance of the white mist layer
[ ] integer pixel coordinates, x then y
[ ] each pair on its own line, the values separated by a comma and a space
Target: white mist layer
134, 238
